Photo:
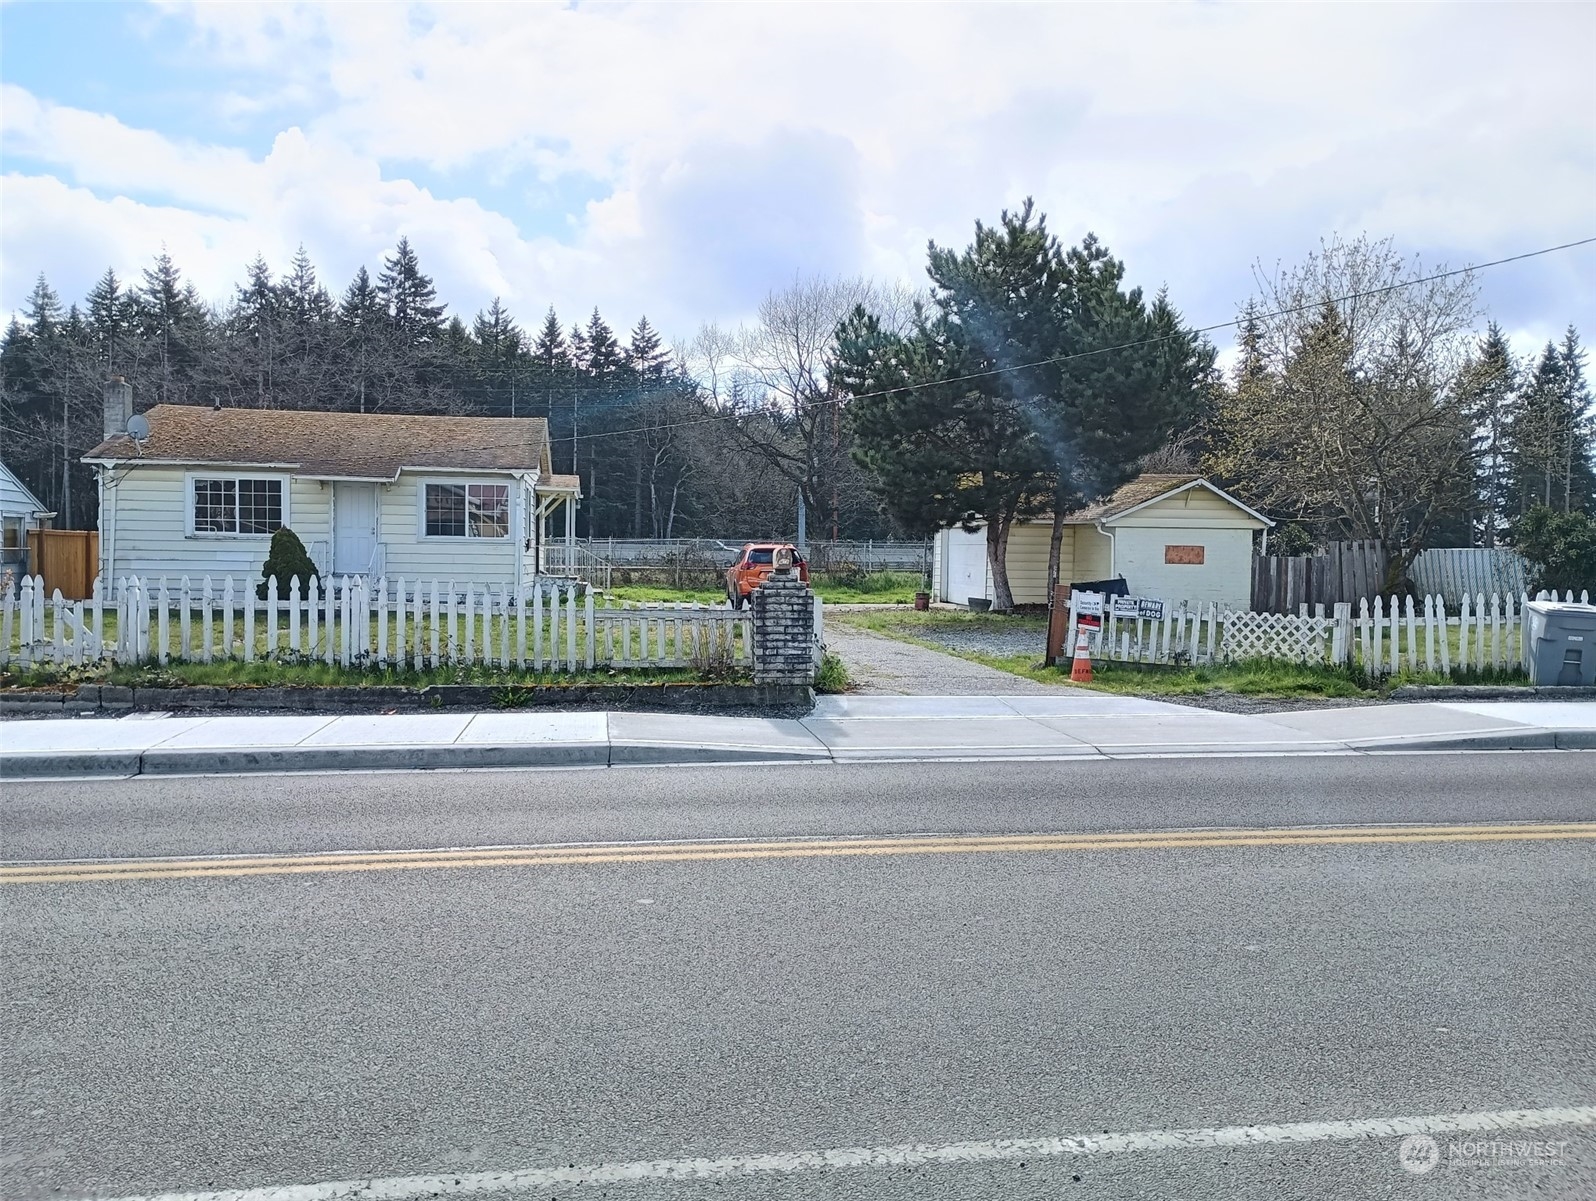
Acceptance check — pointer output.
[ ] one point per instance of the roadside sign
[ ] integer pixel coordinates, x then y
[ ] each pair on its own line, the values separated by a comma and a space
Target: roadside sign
1087, 604
1138, 607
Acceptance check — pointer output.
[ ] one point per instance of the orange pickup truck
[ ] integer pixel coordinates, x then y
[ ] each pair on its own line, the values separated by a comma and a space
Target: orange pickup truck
754, 565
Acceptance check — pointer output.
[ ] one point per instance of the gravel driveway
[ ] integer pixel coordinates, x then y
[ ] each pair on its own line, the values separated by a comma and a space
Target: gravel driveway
882, 665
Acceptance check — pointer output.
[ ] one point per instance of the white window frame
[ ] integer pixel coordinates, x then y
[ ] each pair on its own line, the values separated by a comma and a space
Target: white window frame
466, 482
194, 477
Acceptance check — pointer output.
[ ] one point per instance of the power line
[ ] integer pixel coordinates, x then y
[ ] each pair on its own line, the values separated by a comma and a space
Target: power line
1205, 329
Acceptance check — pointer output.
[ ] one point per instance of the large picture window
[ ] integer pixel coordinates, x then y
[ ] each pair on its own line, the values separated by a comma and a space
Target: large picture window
237, 506
468, 510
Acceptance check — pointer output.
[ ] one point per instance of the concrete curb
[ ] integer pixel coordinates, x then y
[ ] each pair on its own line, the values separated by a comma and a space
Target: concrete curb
1507, 740
453, 756
1489, 692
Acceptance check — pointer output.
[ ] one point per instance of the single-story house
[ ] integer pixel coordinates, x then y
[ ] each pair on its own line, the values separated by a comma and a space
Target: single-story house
1173, 537
199, 491
20, 512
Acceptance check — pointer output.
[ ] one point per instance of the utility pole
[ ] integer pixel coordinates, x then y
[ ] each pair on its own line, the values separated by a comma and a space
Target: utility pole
803, 532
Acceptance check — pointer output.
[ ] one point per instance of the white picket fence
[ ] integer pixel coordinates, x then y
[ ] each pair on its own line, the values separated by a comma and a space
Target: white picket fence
395, 624
1383, 638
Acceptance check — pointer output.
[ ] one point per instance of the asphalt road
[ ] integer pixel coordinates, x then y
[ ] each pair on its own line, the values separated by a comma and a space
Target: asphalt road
233, 1031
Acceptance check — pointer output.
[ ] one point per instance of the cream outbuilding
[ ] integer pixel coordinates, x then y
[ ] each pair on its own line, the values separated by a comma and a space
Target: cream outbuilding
1172, 537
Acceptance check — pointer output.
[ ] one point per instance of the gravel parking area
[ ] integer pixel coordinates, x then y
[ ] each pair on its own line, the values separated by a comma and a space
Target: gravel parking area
1022, 640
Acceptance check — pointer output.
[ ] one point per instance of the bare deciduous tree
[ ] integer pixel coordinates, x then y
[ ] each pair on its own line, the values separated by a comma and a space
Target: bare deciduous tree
1345, 409
770, 377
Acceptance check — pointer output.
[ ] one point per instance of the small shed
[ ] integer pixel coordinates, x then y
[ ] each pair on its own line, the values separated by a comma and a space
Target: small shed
1173, 537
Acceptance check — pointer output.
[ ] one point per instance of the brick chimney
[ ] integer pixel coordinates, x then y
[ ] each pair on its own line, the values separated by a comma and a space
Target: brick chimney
118, 405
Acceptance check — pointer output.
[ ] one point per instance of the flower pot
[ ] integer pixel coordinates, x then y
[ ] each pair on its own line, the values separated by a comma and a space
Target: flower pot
922, 601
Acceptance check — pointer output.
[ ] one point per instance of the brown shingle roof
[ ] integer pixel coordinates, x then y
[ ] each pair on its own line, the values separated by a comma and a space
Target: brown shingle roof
561, 483
345, 445
1128, 495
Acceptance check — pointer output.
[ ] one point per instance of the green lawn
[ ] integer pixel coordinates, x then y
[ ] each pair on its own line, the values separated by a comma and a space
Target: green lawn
878, 588
667, 594
1261, 678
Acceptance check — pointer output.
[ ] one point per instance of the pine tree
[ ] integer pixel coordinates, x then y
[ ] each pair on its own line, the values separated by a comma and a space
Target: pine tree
305, 345
303, 297
363, 322
411, 299
603, 351
646, 353
949, 418
255, 319
550, 351
1488, 384
111, 318
172, 324
1035, 380
551, 363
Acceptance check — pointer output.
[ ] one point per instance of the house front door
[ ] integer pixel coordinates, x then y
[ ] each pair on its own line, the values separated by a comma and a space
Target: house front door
354, 528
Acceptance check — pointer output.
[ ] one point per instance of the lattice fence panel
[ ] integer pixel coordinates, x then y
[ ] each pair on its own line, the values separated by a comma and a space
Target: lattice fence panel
1287, 636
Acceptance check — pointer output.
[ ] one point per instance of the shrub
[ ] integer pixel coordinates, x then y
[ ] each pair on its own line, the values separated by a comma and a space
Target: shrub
286, 560
1561, 547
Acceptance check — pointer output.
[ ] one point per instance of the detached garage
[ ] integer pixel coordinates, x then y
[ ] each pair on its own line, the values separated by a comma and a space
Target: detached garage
1173, 537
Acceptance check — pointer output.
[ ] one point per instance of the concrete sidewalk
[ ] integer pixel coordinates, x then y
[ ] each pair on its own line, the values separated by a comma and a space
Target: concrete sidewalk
840, 729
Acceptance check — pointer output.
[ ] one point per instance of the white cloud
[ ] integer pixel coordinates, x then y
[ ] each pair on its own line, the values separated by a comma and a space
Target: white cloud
731, 145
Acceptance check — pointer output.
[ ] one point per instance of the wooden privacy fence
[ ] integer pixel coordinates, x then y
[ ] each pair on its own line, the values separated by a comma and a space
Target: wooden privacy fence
394, 624
67, 560
1353, 571
1343, 572
1382, 638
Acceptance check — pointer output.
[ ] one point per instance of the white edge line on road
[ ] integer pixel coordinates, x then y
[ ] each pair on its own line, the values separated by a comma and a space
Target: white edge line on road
400, 1188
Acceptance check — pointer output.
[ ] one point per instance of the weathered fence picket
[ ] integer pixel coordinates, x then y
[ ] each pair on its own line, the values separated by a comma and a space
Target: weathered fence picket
403, 623
1384, 637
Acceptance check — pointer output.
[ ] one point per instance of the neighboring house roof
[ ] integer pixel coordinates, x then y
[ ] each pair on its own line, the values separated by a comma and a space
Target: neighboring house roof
15, 496
560, 483
1145, 490
333, 445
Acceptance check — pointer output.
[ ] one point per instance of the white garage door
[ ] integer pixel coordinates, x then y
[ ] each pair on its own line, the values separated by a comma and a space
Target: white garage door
966, 565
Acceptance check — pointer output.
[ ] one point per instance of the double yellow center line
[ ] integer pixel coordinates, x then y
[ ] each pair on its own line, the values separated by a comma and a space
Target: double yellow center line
687, 852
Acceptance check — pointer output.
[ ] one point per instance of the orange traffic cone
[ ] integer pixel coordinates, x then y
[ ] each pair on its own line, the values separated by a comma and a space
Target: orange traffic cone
1081, 668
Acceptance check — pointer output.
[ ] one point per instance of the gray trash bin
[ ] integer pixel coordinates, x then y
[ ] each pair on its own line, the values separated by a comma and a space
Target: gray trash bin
1560, 643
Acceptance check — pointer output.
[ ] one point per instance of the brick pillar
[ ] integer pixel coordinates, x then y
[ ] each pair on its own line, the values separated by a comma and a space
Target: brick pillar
784, 630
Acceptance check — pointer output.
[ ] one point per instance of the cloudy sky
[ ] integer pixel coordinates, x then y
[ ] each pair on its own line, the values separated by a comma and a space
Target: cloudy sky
681, 160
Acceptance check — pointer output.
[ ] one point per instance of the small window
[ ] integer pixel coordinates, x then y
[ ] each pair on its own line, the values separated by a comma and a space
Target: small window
468, 510
12, 539
238, 506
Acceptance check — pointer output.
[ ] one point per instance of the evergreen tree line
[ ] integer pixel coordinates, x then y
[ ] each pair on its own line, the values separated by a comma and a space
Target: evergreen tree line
1364, 404
654, 456
1028, 380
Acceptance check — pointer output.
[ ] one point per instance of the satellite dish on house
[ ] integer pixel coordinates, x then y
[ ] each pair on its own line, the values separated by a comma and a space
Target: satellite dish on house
138, 427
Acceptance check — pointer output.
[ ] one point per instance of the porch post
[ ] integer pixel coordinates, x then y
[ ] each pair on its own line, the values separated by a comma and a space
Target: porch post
570, 528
